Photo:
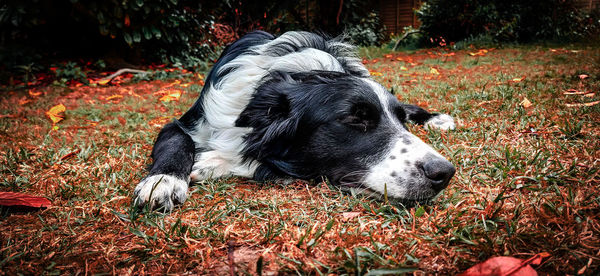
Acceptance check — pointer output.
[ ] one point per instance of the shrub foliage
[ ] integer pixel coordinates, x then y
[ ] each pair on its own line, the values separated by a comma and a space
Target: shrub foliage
507, 20
186, 33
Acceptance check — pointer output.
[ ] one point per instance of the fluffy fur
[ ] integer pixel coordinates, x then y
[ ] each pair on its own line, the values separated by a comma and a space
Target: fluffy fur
297, 106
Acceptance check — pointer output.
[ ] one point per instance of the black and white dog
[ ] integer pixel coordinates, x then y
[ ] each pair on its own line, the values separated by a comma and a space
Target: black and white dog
297, 106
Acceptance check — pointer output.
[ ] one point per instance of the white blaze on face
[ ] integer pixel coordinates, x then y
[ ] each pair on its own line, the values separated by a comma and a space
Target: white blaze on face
398, 171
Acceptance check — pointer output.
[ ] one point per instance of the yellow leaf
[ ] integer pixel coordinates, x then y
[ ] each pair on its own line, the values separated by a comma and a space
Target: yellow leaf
114, 97
526, 103
103, 81
434, 71
171, 95
376, 73
518, 79
55, 113
403, 68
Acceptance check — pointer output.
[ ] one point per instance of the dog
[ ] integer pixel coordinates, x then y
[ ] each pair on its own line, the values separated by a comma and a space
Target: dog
297, 106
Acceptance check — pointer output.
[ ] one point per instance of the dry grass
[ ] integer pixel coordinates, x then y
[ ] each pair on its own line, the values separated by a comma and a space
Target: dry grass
527, 180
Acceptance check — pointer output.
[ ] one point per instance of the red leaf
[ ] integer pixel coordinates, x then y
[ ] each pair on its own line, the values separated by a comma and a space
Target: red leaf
23, 200
501, 266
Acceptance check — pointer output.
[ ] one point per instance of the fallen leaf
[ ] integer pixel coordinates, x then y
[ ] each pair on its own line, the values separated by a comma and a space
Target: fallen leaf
518, 79
103, 81
481, 52
34, 93
349, 215
24, 101
526, 103
403, 68
583, 104
55, 113
583, 76
122, 120
375, 73
114, 97
170, 95
434, 71
23, 200
501, 266
70, 154
159, 121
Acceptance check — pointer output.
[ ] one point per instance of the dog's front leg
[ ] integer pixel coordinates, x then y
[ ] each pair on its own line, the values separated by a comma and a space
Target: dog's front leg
167, 183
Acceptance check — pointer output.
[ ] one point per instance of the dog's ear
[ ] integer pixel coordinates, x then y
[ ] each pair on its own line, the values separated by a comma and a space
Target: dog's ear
269, 114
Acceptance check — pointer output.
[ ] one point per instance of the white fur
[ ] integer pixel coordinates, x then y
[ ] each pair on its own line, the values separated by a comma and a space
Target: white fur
161, 190
441, 121
395, 173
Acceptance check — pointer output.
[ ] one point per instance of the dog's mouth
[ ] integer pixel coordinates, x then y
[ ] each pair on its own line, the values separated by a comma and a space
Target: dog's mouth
354, 184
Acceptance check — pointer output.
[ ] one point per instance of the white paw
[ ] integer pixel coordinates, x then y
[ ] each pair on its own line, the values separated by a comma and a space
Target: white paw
441, 121
161, 192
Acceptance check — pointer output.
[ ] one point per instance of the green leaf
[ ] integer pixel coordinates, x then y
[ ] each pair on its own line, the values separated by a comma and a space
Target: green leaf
127, 38
100, 17
137, 37
147, 33
156, 32
419, 212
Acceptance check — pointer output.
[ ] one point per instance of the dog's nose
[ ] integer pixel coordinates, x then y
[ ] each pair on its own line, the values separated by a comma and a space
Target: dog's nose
439, 171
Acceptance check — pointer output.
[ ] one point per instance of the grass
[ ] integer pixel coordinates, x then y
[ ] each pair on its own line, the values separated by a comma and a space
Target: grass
527, 179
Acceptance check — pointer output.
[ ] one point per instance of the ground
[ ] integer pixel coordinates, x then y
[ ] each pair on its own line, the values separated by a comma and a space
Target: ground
526, 151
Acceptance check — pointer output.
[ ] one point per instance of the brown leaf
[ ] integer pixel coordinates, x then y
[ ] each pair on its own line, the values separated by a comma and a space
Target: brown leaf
526, 103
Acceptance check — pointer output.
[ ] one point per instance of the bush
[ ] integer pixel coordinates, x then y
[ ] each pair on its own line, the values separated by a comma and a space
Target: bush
166, 31
34, 34
368, 32
506, 20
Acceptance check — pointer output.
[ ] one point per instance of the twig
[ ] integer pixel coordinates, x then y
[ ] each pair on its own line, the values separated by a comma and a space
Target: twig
120, 72
404, 37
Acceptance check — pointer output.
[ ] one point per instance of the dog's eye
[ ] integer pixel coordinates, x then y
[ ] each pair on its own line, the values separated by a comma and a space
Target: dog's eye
362, 117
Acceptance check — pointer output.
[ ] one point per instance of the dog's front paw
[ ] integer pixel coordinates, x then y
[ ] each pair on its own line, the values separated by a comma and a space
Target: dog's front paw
161, 192
441, 121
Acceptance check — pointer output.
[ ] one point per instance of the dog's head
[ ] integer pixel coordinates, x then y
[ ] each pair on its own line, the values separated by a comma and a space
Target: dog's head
346, 128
